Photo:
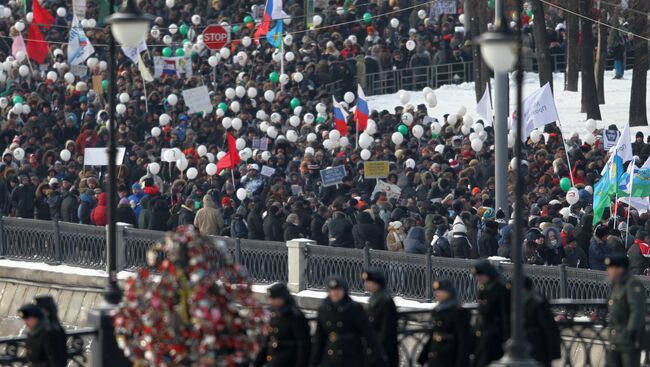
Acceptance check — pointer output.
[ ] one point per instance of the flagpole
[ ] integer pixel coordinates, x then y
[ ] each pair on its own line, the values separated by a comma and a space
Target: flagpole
281, 57
566, 151
629, 205
232, 174
146, 96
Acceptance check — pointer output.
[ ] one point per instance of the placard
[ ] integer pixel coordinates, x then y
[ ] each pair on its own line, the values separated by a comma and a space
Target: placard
99, 156
97, 85
197, 100
441, 7
79, 70
296, 190
391, 191
378, 169
610, 137
332, 176
256, 143
267, 171
264, 144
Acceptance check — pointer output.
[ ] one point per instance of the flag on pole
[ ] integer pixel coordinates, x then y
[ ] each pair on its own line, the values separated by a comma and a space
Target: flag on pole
340, 118
484, 106
362, 111
606, 186
274, 36
18, 45
37, 47
133, 52
623, 147
144, 71
231, 159
539, 110
272, 10
79, 47
41, 16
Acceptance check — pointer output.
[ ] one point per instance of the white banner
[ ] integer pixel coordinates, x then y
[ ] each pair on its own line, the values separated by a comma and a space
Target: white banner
99, 156
197, 100
133, 52
79, 47
171, 67
484, 107
539, 110
441, 7
391, 191
79, 8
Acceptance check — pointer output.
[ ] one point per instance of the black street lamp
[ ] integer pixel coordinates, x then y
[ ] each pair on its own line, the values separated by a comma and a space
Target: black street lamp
501, 51
129, 26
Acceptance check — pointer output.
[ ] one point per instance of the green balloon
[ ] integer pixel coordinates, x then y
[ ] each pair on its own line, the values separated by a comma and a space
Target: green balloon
18, 99
403, 129
320, 119
183, 29
274, 77
529, 13
295, 102
222, 106
235, 28
490, 4
434, 135
185, 40
367, 18
565, 184
180, 52
248, 19
167, 52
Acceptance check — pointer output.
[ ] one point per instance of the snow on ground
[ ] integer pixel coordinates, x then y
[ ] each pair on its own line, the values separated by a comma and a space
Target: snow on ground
399, 302
452, 97
61, 269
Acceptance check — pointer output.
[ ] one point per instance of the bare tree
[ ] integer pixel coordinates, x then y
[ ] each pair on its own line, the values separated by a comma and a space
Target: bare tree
544, 66
589, 94
639, 26
477, 25
572, 48
601, 57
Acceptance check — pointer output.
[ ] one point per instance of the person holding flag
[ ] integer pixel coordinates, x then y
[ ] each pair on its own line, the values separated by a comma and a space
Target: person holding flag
340, 117
362, 111
272, 11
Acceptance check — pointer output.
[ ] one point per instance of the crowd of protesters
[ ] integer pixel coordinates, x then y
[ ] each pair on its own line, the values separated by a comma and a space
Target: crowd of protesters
447, 201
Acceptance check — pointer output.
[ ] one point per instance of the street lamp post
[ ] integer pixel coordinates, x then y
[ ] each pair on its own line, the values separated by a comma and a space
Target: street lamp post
501, 51
129, 26
501, 102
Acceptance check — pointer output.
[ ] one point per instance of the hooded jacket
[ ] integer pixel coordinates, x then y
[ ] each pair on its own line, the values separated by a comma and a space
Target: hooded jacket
98, 215
208, 220
85, 208
366, 231
69, 207
415, 242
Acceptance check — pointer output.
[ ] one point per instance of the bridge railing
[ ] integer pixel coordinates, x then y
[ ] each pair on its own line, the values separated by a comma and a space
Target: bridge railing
408, 275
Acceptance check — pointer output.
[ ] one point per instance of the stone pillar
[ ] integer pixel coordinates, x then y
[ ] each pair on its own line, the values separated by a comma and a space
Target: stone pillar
104, 351
120, 251
297, 264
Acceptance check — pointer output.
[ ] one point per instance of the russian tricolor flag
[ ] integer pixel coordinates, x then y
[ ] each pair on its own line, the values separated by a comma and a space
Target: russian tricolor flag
340, 118
272, 10
362, 112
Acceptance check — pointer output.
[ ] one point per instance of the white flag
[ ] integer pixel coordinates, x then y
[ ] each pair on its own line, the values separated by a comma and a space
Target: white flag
623, 146
79, 47
133, 52
539, 110
276, 9
484, 107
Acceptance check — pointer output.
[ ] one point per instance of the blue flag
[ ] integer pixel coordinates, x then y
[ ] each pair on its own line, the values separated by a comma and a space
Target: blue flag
274, 37
606, 187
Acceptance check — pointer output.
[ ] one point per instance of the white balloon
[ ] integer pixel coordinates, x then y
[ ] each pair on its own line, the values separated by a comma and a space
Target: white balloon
192, 173
272, 132
213, 61
124, 98
261, 115
284, 79
311, 137
483, 135
173, 28
18, 108
266, 156
410, 163
246, 41
246, 154
242, 193
451, 119
535, 136
344, 141
196, 19
26, 109
309, 118
92, 62
103, 65
371, 127
417, 131
589, 139
20, 26
225, 53
365, 154
226, 123
328, 144
294, 121
220, 155
235, 106
155, 32
477, 144
23, 70
394, 23
572, 196
461, 19
69, 77
269, 96
403, 97
317, 20
309, 151
462, 111
172, 99
236, 123
264, 126
277, 56
153, 168
468, 121
164, 119
297, 77
410, 45
397, 138
29, 17
407, 119
439, 148
431, 99
65, 155
211, 169
20, 56
478, 127
240, 143
81, 87
465, 130
120, 108
334, 135
348, 97
169, 156
170, 3
201, 150
19, 153
321, 108
422, 13
251, 92
275, 117
4, 102
591, 125
155, 131
289, 56
292, 136
167, 39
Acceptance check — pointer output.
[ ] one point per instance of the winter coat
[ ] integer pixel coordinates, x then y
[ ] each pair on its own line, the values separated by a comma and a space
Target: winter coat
273, 227
382, 315
42, 347
449, 343
552, 252
69, 207
395, 238
541, 330
441, 246
208, 220
598, 251
414, 243
85, 208
255, 225
288, 342
339, 231
23, 198
42, 208
488, 243
54, 202
316, 230
638, 261
292, 232
492, 322
460, 246
238, 228
367, 232
125, 214
576, 257
159, 214
99, 215
185, 216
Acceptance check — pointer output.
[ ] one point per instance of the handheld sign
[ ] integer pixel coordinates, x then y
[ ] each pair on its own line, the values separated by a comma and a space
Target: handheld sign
215, 37
99, 156
332, 176
377, 169
197, 99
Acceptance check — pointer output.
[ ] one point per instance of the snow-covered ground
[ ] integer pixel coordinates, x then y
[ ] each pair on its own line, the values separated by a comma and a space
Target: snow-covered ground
452, 97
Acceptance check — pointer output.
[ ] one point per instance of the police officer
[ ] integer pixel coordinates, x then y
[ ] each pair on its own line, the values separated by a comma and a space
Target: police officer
540, 328
288, 342
344, 336
57, 333
493, 317
382, 314
450, 339
626, 316
41, 347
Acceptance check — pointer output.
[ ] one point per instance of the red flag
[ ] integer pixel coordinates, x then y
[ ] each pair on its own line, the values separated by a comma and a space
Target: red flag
231, 159
37, 46
41, 16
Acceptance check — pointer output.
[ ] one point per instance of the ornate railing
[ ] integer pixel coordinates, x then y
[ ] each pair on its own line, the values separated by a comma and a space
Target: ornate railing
13, 350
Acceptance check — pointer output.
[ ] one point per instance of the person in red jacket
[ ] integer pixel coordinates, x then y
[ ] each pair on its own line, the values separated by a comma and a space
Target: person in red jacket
99, 216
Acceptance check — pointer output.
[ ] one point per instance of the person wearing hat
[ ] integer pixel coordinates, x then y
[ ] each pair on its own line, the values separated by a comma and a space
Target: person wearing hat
208, 220
23, 198
288, 341
449, 343
492, 327
42, 348
51, 314
382, 313
541, 330
460, 245
344, 336
598, 250
575, 255
626, 314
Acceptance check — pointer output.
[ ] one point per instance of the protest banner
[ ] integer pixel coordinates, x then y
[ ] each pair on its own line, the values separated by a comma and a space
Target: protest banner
99, 156
332, 176
378, 169
197, 100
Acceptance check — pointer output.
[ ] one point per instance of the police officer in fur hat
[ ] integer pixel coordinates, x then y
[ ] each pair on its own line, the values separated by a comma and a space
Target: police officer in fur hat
42, 349
344, 336
382, 313
288, 341
449, 344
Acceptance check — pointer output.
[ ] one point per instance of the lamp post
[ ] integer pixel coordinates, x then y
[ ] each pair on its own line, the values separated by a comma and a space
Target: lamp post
501, 51
129, 26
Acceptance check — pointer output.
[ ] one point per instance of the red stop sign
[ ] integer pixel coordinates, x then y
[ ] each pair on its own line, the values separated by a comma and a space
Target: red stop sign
216, 37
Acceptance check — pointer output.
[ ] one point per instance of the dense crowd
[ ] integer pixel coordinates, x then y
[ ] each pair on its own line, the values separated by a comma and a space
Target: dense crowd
446, 205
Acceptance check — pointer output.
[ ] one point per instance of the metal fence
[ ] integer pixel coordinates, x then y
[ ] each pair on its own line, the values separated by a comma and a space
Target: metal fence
408, 275
13, 351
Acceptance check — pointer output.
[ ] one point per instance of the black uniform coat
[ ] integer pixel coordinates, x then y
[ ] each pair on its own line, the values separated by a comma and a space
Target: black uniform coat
626, 313
492, 323
344, 336
43, 349
450, 339
382, 315
288, 342
542, 333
